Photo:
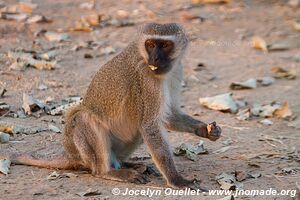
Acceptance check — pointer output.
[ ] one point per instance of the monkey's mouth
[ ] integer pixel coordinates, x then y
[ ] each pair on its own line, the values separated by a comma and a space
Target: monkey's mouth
152, 67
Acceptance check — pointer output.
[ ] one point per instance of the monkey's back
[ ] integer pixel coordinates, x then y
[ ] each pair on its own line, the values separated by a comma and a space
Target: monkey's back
115, 85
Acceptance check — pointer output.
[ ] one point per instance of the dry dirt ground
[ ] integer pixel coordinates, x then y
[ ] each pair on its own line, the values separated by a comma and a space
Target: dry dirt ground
221, 42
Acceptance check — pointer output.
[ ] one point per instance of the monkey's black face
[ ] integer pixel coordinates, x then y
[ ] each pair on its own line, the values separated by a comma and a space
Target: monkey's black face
159, 53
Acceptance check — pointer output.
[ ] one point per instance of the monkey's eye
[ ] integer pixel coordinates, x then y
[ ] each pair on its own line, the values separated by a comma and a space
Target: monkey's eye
150, 44
167, 44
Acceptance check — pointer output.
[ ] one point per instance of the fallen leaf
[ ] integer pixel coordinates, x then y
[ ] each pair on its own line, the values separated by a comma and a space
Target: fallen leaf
59, 110
87, 5
190, 151
31, 104
89, 192
4, 166
290, 170
4, 108
37, 19
268, 110
42, 87
222, 102
244, 114
254, 175
53, 36
54, 175
107, 50
228, 181
4, 138
22, 60
283, 111
82, 26
21, 7
266, 80
49, 55
266, 122
54, 128
19, 17
6, 129
248, 84
240, 175
283, 73
279, 46
259, 43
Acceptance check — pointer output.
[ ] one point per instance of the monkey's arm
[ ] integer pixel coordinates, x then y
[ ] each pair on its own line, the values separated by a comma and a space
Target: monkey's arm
161, 155
179, 121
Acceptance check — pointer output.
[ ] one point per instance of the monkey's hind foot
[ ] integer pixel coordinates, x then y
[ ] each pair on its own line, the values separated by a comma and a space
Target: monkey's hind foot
126, 175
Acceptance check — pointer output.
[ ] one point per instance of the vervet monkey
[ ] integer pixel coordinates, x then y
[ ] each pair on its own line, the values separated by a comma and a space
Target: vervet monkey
131, 99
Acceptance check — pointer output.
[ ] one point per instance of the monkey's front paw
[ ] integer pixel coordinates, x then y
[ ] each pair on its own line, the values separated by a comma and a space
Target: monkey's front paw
213, 131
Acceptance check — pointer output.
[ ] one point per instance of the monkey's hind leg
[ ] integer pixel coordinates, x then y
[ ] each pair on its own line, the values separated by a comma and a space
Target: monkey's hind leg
91, 139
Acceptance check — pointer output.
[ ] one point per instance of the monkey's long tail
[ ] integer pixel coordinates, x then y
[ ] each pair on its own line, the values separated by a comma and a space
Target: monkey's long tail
59, 162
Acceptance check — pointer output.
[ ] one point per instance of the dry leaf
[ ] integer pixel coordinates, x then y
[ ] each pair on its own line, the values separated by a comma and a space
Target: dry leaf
266, 122
4, 166
22, 60
259, 43
222, 102
107, 50
31, 104
53, 36
89, 192
244, 114
248, 84
19, 17
283, 111
54, 128
266, 80
87, 5
283, 73
37, 19
21, 7
190, 151
4, 108
228, 181
82, 26
279, 46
